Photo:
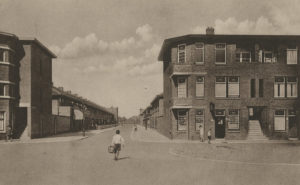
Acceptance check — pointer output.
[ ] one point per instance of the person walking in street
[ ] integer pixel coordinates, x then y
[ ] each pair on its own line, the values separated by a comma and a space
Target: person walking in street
117, 141
209, 135
201, 133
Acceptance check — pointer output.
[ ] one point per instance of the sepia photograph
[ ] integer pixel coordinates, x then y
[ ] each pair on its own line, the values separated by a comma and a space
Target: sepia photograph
149, 92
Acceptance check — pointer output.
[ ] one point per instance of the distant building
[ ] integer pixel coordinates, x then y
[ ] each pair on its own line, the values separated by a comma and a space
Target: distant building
67, 106
11, 52
153, 115
35, 89
239, 86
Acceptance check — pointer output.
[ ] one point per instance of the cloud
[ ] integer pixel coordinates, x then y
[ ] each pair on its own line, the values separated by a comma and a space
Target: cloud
90, 45
145, 32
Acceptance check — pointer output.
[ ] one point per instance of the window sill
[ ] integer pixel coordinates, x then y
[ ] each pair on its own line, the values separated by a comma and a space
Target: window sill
224, 98
284, 98
199, 64
233, 131
280, 131
220, 63
199, 98
7, 63
7, 97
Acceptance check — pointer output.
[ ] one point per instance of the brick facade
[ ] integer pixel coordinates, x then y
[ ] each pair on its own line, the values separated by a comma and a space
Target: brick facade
245, 71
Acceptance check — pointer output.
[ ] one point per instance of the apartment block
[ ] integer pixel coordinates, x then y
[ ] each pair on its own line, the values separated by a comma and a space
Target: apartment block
237, 86
11, 52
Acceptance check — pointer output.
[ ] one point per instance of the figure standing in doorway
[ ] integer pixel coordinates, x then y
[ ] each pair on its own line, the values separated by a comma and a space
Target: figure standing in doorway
209, 135
201, 133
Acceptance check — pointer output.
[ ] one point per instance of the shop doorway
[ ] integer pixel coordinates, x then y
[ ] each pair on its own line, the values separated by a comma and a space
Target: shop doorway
292, 123
220, 124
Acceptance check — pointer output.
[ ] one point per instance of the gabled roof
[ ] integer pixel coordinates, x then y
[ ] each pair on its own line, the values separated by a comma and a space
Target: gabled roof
218, 38
58, 92
39, 44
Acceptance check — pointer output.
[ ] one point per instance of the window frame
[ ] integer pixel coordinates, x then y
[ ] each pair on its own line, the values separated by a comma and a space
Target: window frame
185, 119
268, 52
178, 53
227, 83
280, 116
220, 63
285, 84
289, 49
238, 119
201, 116
185, 81
202, 49
200, 83
2, 121
241, 56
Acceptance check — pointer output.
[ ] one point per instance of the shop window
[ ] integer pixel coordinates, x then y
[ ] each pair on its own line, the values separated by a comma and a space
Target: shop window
181, 120
220, 53
234, 119
199, 53
199, 119
181, 87
181, 54
279, 120
291, 56
199, 86
2, 120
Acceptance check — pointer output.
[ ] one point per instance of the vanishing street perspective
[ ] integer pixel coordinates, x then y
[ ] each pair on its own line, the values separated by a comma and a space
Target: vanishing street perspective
139, 92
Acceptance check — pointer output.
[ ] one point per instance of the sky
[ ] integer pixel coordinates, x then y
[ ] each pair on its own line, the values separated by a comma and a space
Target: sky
107, 49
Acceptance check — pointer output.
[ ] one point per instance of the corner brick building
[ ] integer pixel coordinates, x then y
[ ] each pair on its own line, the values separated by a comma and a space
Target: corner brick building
35, 112
239, 86
11, 52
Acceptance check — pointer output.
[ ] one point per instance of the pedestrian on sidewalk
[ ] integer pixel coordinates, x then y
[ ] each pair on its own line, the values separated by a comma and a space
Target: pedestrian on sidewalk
209, 135
201, 133
117, 141
8, 133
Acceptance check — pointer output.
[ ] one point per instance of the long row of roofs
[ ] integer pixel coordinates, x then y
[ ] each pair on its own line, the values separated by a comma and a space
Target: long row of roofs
58, 91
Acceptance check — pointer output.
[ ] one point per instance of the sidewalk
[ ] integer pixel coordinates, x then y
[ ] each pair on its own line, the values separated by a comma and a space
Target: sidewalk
151, 135
64, 137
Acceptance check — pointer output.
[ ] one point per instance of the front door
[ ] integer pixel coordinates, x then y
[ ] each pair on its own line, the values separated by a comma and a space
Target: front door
293, 131
220, 127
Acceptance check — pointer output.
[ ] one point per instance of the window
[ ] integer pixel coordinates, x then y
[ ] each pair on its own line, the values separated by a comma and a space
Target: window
4, 55
199, 53
5, 90
243, 56
233, 86
181, 119
279, 87
220, 53
234, 119
2, 120
200, 86
291, 56
261, 88
181, 87
199, 119
220, 86
286, 87
279, 120
291, 87
252, 88
269, 57
181, 54
227, 86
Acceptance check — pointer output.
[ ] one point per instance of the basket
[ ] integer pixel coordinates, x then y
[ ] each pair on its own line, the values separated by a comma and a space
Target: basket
111, 149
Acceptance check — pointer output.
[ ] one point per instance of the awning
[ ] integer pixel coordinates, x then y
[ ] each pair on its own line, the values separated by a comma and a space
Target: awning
187, 73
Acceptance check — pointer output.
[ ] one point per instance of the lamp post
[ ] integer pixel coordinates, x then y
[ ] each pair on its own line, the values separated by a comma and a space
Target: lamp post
83, 108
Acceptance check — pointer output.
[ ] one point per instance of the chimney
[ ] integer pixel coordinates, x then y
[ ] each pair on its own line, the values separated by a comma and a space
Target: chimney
210, 31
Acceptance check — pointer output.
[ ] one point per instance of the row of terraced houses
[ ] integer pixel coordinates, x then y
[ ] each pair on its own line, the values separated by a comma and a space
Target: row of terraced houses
27, 94
237, 86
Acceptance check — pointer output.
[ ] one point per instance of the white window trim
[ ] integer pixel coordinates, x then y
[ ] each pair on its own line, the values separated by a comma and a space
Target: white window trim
181, 51
241, 56
203, 53
296, 58
284, 120
294, 96
203, 87
225, 62
4, 120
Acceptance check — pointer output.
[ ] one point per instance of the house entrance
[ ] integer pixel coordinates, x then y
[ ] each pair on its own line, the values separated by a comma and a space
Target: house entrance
220, 123
255, 113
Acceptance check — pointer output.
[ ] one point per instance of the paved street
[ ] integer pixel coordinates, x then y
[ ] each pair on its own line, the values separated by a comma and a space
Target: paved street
144, 162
